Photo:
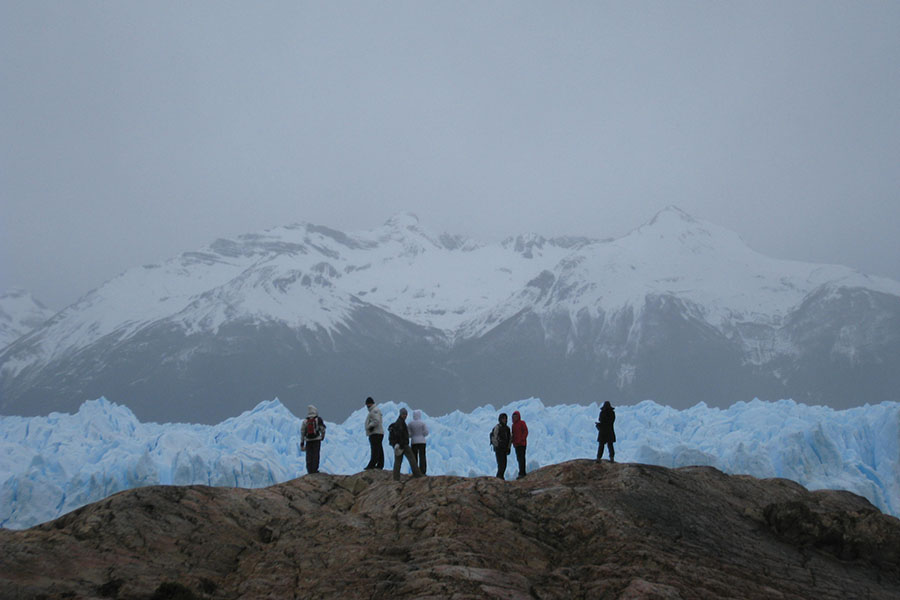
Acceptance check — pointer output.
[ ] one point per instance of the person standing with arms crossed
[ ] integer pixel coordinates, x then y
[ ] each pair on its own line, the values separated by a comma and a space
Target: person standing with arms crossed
375, 433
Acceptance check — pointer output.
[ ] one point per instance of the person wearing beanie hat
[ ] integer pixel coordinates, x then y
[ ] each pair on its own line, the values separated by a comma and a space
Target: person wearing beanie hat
375, 433
311, 435
501, 440
398, 437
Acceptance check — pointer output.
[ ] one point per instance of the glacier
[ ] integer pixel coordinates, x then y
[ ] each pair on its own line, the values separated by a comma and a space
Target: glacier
54, 464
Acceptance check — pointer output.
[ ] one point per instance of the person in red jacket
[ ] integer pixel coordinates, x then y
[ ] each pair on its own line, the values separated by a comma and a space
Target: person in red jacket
519, 441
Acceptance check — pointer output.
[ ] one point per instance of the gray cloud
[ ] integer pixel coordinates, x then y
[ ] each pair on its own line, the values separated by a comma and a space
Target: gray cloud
134, 131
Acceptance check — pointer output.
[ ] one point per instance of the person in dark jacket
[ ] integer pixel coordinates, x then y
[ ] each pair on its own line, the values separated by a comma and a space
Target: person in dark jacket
519, 441
311, 436
398, 437
606, 433
501, 442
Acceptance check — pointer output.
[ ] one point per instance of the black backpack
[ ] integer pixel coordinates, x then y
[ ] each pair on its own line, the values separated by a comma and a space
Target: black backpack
393, 434
500, 437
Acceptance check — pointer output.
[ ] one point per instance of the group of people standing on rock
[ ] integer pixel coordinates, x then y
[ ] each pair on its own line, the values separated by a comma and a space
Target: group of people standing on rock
405, 440
409, 439
503, 439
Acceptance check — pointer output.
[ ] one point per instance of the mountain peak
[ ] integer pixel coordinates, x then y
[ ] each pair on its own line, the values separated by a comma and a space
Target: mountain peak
672, 214
452, 311
403, 220
674, 228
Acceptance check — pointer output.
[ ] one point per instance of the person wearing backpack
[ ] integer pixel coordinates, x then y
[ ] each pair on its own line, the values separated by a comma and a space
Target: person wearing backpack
418, 430
519, 441
398, 438
606, 434
501, 439
375, 433
311, 435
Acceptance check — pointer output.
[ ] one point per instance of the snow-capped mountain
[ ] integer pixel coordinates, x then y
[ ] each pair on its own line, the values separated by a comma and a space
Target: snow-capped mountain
678, 310
20, 313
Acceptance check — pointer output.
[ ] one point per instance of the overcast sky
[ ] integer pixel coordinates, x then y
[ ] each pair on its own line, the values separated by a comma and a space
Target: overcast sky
133, 131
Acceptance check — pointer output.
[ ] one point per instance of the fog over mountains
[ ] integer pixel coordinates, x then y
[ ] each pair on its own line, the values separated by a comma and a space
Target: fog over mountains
20, 313
678, 311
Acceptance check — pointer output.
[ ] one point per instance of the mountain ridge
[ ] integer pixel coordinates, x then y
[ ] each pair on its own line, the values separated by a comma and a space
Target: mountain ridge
401, 303
20, 313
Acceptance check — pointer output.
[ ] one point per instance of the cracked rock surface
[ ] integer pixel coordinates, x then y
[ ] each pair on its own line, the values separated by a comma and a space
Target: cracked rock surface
573, 530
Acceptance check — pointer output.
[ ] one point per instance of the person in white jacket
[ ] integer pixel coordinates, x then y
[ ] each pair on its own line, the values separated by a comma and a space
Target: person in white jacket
418, 430
375, 433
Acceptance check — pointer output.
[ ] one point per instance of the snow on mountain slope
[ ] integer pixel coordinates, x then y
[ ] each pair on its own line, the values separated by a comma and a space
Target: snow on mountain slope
308, 276
699, 262
713, 268
675, 255
51, 465
20, 313
305, 276
307, 310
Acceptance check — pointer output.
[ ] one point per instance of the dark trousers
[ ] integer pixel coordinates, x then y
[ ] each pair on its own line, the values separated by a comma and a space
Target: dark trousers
612, 451
419, 453
501, 463
520, 456
398, 462
377, 455
312, 456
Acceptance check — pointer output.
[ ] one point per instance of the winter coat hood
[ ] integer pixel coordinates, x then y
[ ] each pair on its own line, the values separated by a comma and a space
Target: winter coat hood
313, 415
519, 430
417, 428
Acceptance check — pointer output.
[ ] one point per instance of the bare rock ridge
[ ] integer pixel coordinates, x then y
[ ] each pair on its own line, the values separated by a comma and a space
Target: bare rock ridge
572, 530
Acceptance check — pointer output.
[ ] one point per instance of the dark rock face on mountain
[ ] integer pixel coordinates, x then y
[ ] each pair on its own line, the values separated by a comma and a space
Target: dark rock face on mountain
847, 355
830, 326
677, 311
167, 376
574, 530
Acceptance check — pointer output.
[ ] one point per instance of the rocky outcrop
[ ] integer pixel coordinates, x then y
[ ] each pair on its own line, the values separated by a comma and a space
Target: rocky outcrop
573, 530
